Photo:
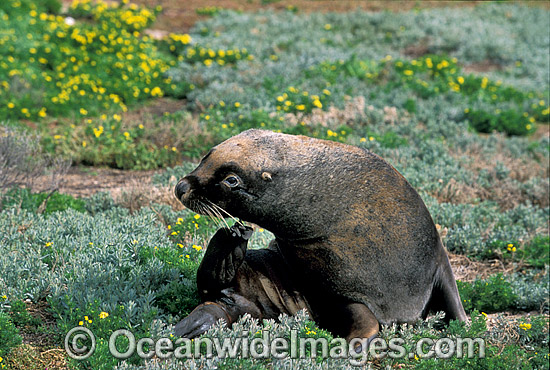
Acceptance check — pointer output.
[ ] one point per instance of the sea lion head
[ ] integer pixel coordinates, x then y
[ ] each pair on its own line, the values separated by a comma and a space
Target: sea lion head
280, 182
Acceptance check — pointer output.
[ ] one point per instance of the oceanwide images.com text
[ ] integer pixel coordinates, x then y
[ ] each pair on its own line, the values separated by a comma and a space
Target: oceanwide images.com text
80, 344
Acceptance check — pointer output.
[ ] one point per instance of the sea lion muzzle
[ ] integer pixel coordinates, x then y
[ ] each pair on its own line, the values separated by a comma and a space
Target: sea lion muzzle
182, 188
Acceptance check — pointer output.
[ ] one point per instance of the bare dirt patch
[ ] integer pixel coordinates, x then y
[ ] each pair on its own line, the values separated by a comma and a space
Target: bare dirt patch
86, 181
484, 66
466, 269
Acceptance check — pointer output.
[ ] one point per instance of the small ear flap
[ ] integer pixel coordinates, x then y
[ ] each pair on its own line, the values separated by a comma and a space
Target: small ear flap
266, 176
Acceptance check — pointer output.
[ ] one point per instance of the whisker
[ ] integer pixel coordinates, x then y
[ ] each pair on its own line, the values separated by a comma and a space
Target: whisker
218, 210
206, 209
213, 215
227, 213
216, 215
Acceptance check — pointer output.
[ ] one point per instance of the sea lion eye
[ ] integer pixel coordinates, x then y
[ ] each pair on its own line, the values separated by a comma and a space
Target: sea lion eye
232, 181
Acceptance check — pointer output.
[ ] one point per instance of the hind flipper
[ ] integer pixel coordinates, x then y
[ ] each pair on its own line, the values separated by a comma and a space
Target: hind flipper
445, 295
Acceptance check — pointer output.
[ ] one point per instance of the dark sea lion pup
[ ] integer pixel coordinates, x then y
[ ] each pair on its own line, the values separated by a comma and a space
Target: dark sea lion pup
233, 281
360, 244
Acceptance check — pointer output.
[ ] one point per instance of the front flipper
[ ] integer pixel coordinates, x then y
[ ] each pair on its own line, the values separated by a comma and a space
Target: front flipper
224, 255
351, 320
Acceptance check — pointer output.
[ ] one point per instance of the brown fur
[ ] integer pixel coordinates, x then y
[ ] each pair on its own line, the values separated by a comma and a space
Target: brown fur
351, 228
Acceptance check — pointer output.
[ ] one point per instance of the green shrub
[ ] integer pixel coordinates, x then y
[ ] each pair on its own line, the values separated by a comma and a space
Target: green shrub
33, 201
535, 252
509, 121
208, 10
494, 294
9, 336
19, 314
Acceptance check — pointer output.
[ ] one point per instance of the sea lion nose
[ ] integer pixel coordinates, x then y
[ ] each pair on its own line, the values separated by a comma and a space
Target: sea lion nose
182, 188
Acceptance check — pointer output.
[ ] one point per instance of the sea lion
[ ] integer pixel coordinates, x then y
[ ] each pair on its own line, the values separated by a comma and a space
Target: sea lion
233, 281
360, 244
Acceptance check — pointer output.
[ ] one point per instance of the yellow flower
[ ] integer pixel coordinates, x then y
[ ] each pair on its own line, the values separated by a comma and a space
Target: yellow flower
525, 326
83, 111
126, 134
197, 216
328, 26
408, 72
317, 103
300, 107
103, 315
48, 244
98, 131
237, 104
484, 82
156, 91
80, 323
326, 92
460, 80
11, 105
207, 62
196, 247
117, 117
362, 140
429, 63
